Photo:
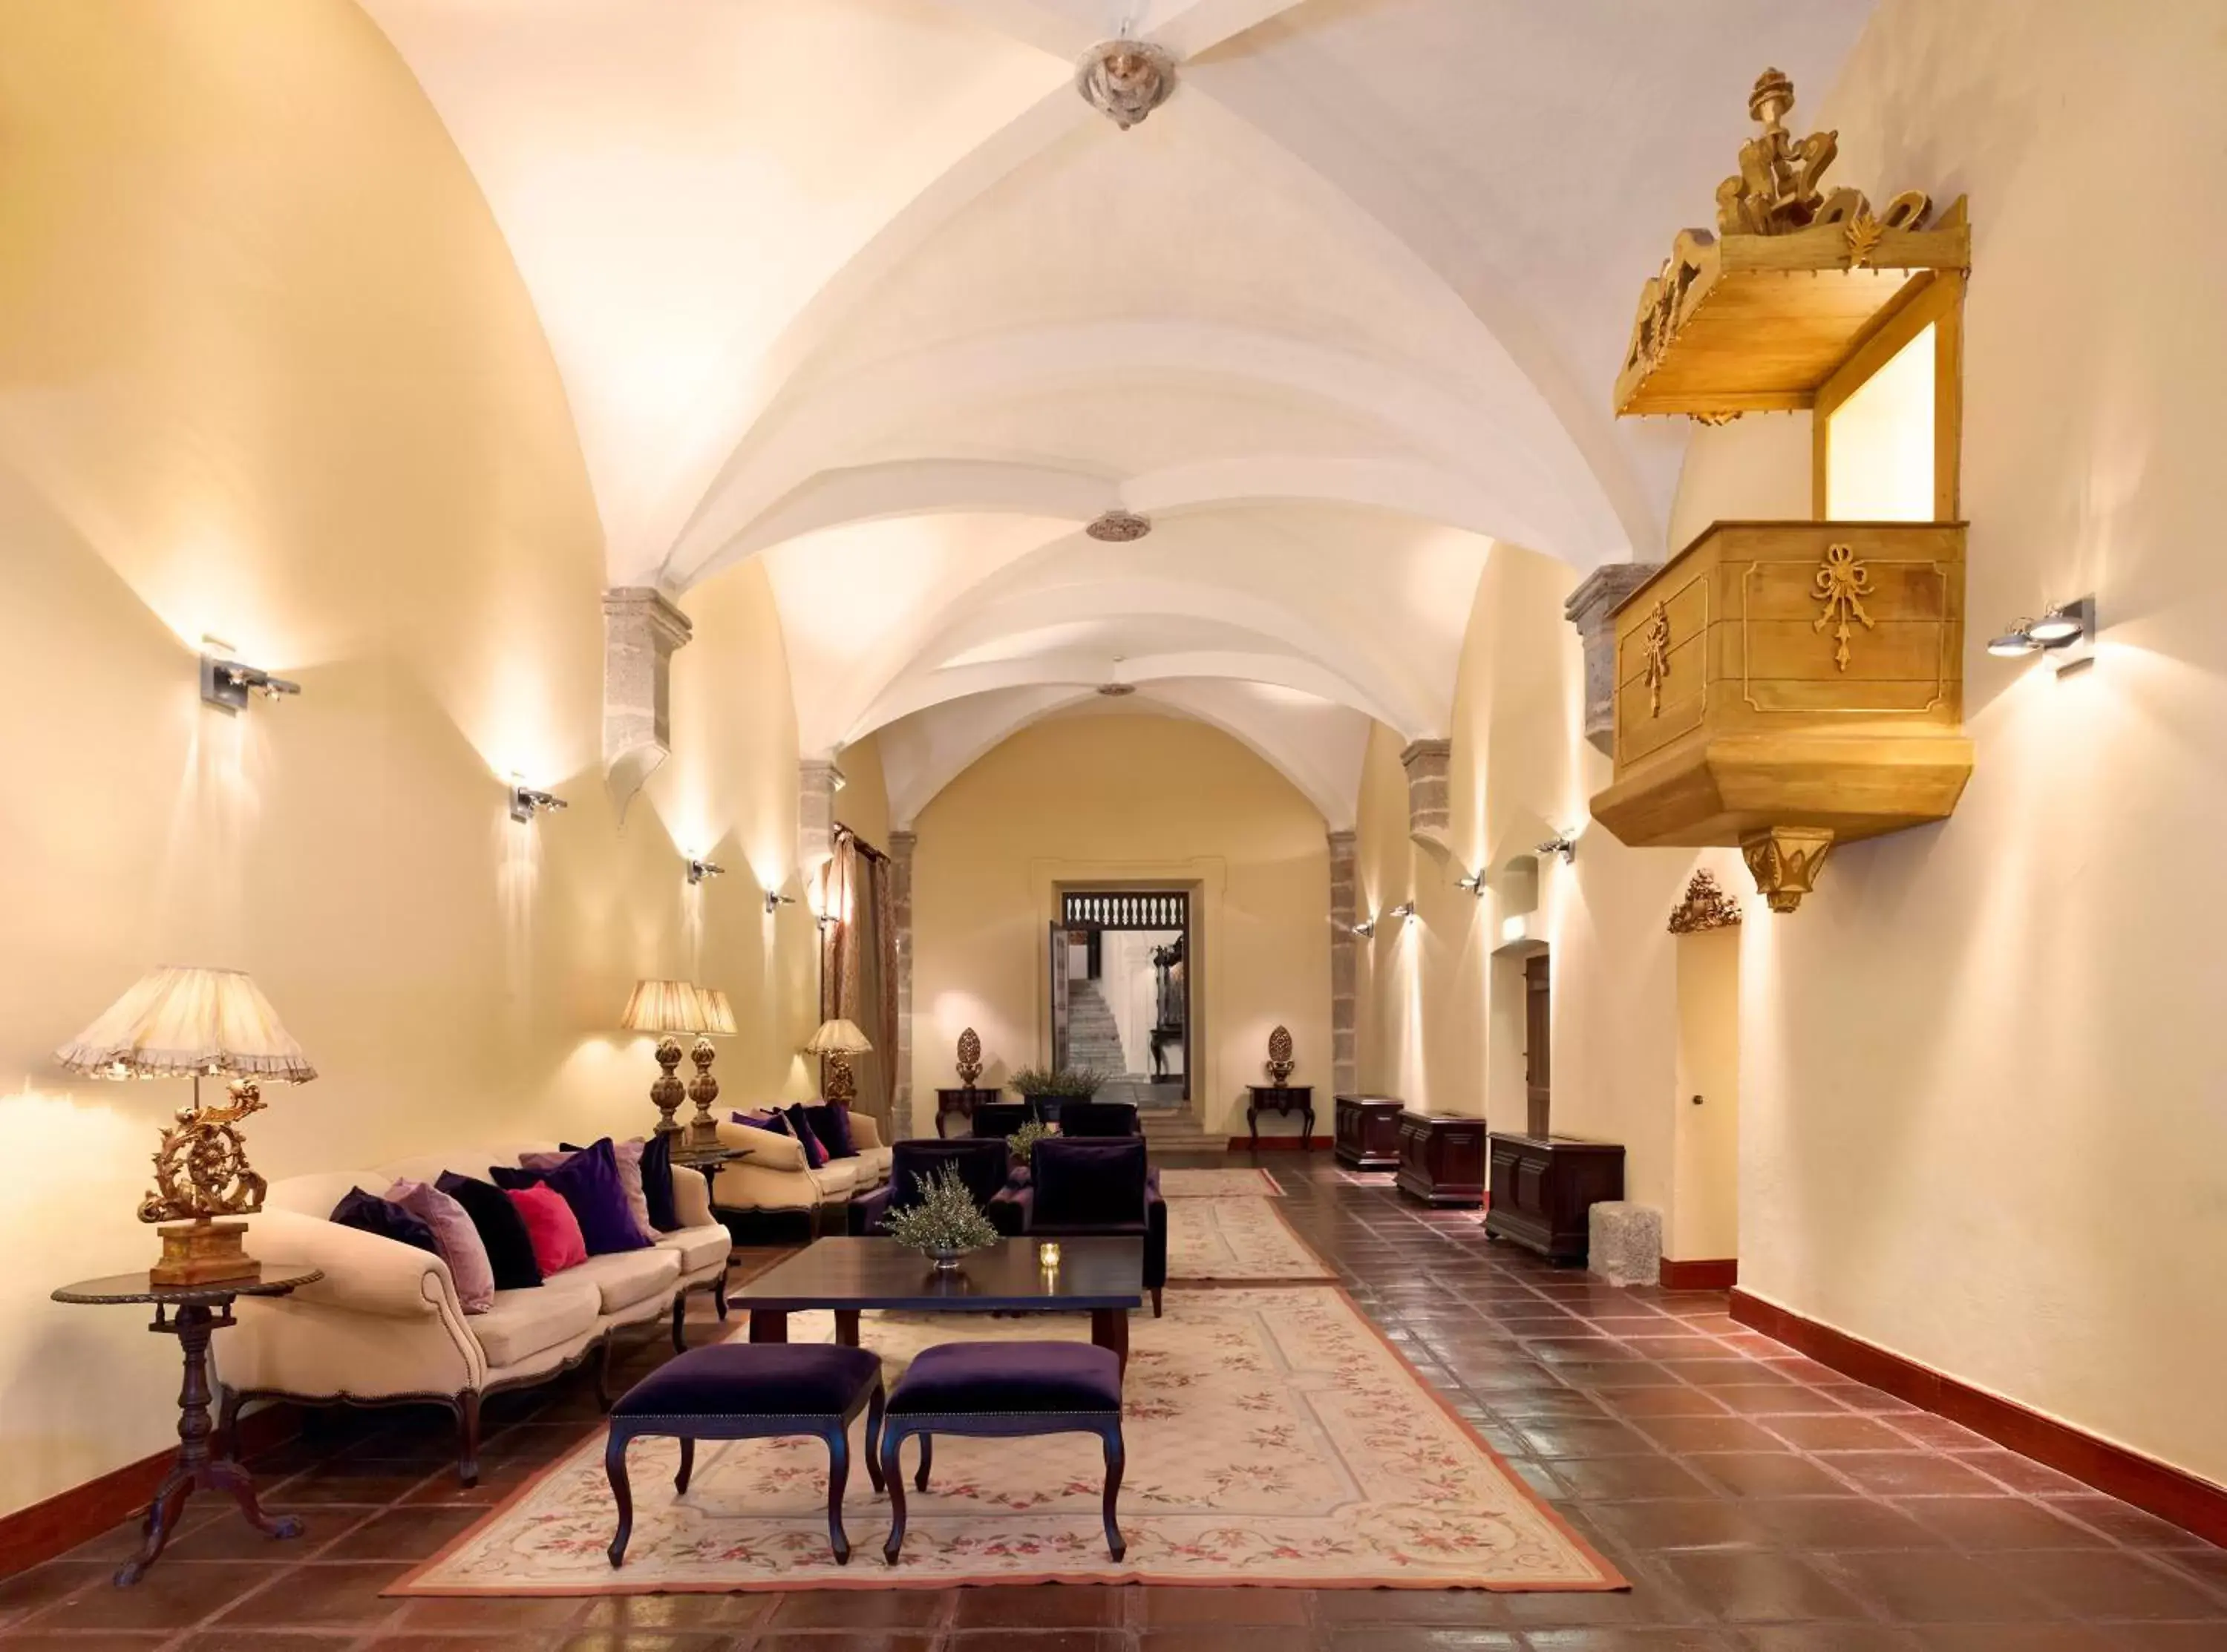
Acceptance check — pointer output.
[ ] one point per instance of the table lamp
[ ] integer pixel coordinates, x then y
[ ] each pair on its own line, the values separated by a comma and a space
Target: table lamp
185, 1023
703, 1089
838, 1039
664, 1008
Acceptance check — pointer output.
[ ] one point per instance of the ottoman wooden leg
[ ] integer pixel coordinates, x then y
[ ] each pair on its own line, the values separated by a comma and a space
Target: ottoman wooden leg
838, 1474
874, 1434
927, 1461
893, 1478
688, 1465
1114, 1459
615, 1468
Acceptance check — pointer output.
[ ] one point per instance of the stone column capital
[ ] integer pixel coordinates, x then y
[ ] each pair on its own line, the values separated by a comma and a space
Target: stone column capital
1429, 764
1591, 608
641, 628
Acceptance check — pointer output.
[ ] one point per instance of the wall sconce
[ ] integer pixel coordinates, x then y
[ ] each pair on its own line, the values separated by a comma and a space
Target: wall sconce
526, 801
1366, 928
1405, 909
1561, 844
700, 870
1473, 883
2066, 633
827, 921
225, 684
837, 780
774, 903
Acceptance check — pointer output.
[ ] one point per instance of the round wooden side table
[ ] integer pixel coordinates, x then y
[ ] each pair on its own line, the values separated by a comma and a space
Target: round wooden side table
191, 1313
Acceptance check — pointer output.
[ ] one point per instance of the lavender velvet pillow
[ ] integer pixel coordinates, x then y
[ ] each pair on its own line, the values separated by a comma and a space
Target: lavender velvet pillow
456, 1240
628, 1154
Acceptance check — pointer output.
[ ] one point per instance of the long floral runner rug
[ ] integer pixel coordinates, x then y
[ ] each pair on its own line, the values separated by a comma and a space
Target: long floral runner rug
1250, 1181
1242, 1240
1274, 1438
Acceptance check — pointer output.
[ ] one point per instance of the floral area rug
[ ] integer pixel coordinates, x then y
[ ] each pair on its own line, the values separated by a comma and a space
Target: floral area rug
1274, 1437
1220, 1240
1251, 1183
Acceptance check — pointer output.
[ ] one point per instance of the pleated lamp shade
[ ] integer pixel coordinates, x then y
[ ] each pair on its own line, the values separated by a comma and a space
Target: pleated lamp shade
718, 1014
838, 1037
663, 1006
180, 1022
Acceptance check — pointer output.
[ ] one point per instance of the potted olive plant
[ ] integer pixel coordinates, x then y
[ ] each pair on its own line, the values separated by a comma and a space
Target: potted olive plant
1045, 1089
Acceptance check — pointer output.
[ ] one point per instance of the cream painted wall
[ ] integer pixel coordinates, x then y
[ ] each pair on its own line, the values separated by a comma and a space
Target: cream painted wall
1130, 797
266, 370
1983, 1120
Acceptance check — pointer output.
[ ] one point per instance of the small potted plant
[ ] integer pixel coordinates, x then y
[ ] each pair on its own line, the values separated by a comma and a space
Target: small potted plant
1022, 1143
946, 1224
1045, 1089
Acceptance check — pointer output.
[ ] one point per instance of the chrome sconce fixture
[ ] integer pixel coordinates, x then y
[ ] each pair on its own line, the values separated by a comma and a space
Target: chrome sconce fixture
837, 780
774, 903
1366, 928
2066, 633
225, 684
526, 801
1405, 909
1472, 883
699, 869
1561, 844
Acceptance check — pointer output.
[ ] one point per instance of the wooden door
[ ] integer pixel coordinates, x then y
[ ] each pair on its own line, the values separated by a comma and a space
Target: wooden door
1538, 1044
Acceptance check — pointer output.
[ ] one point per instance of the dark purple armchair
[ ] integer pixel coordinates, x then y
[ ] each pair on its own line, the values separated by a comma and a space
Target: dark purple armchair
1099, 1119
981, 1162
1083, 1188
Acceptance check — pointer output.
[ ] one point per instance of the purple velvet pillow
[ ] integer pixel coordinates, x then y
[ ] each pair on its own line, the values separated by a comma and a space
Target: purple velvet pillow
629, 1155
455, 1238
370, 1213
815, 1156
831, 1125
589, 1182
764, 1118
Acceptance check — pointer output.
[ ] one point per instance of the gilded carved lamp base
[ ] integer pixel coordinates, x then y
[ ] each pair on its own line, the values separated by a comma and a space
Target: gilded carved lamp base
842, 1086
667, 1092
1785, 861
703, 1089
204, 1253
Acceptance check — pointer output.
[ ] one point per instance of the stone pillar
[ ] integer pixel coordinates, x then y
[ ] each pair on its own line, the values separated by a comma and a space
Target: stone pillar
815, 819
1429, 811
641, 628
1589, 607
1344, 969
902, 844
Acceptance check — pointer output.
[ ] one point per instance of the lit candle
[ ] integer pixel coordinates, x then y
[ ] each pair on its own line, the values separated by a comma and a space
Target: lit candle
1047, 1254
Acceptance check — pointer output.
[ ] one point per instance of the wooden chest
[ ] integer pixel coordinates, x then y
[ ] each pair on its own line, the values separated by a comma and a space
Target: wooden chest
1367, 1131
1441, 1159
1543, 1187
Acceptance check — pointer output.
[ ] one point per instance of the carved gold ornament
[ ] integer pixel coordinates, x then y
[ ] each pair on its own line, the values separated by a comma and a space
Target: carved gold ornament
1864, 232
1280, 1056
970, 1058
1657, 642
1776, 190
1705, 907
1785, 861
1841, 584
200, 1168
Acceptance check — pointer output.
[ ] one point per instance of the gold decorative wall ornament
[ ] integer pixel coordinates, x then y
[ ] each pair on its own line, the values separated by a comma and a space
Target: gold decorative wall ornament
1705, 907
1785, 861
1775, 340
1280, 1056
970, 1058
1841, 584
1657, 643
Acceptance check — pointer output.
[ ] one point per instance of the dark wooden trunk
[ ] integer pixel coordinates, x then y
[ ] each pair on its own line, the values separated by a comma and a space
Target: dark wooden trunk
1544, 1186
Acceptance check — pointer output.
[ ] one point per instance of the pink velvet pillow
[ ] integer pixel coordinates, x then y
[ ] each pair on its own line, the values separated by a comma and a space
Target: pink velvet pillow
628, 1155
551, 1227
456, 1238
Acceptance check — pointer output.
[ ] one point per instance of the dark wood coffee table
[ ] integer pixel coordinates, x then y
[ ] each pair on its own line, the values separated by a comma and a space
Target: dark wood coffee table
1106, 1276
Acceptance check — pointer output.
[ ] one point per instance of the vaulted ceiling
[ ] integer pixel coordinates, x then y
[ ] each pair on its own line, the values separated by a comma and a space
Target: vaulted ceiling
864, 289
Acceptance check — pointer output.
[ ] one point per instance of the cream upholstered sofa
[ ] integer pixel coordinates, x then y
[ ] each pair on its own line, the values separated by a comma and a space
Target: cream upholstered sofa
775, 1180
384, 1326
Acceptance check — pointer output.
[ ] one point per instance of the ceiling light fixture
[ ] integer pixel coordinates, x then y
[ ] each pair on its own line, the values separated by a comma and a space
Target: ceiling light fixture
2065, 631
1115, 691
1120, 527
526, 801
1124, 79
1562, 844
699, 869
226, 683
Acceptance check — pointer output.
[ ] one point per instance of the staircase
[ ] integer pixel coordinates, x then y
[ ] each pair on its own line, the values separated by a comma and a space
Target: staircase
1093, 1039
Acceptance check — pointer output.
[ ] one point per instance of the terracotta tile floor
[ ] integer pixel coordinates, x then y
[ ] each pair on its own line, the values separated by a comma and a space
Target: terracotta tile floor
1757, 1502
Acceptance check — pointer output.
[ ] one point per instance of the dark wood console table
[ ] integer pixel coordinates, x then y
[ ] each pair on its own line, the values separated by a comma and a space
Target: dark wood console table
1282, 1099
960, 1101
1366, 1131
1442, 1158
1543, 1187
193, 1313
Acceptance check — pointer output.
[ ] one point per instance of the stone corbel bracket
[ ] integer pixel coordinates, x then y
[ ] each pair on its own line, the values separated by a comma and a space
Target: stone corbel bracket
641, 628
1428, 763
1589, 607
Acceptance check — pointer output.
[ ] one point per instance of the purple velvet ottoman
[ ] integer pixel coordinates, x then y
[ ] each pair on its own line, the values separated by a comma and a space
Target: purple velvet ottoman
1004, 1390
751, 1391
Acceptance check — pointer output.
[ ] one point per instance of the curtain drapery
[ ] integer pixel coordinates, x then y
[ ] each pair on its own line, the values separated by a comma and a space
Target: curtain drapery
858, 965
